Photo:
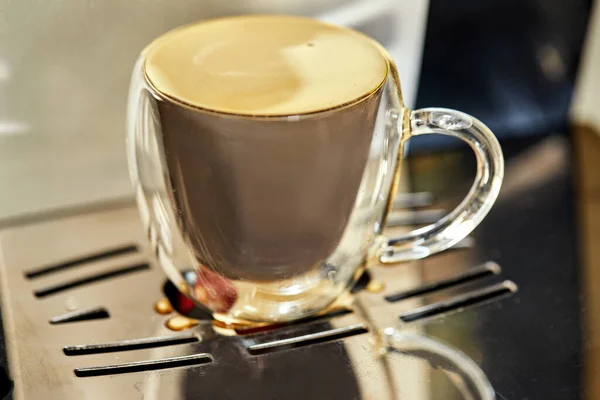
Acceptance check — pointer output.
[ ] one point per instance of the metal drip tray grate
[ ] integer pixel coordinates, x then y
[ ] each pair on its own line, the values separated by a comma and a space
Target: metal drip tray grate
78, 299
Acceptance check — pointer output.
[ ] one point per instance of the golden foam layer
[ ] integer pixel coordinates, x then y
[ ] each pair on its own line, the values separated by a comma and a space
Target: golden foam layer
265, 65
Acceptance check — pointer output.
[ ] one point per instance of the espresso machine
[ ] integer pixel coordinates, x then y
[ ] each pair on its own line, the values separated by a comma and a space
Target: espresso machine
87, 313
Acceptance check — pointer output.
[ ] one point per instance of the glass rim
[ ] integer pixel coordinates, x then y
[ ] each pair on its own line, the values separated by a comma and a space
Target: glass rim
287, 117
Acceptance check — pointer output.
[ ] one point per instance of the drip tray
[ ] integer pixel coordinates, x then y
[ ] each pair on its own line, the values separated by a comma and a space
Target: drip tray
78, 303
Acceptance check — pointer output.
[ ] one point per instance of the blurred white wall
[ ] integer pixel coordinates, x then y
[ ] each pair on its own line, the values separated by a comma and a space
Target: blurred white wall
64, 76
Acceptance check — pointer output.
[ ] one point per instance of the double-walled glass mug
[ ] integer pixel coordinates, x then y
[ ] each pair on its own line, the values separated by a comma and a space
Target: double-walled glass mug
265, 154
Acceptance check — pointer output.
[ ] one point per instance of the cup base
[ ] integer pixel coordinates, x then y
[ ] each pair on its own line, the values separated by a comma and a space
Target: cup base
240, 326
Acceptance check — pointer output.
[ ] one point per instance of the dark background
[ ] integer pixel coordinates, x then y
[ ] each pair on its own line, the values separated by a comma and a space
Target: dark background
510, 63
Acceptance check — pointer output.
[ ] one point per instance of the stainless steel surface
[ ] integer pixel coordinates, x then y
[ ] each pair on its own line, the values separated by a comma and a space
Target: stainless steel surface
526, 345
133, 354
137, 366
487, 269
129, 344
81, 315
259, 348
472, 297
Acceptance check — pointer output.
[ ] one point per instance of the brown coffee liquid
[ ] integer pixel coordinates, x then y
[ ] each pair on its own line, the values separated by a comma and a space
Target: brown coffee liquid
265, 199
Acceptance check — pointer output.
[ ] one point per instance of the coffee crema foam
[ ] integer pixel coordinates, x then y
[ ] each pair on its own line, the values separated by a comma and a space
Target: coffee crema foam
265, 65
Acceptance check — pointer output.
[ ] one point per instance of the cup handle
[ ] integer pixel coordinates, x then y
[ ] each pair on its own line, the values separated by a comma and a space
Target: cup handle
463, 219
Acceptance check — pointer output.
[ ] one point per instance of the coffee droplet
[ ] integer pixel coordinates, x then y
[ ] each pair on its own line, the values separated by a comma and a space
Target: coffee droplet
163, 306
179, 323
375, 286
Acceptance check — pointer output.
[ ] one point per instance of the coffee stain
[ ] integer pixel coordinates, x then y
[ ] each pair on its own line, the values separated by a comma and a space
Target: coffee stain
163, 306
375, 286
180, 323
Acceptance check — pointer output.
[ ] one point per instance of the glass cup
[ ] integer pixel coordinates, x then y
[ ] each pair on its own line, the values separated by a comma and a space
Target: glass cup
272, 183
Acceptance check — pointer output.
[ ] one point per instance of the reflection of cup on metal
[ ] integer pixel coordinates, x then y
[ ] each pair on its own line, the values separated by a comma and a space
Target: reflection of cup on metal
265, 153
466, 375
365, 366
